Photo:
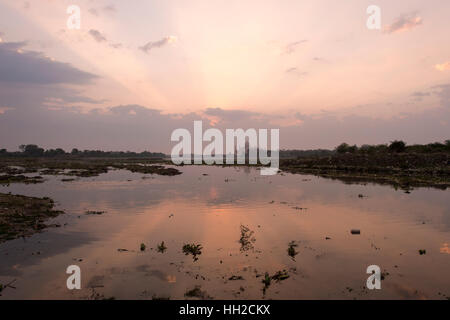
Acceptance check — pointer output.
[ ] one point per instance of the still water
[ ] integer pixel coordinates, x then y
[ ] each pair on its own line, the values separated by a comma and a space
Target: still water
208, 205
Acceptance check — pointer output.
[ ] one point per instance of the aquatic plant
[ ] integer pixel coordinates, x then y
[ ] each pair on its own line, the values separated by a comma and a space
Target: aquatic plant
193, 249
161, 247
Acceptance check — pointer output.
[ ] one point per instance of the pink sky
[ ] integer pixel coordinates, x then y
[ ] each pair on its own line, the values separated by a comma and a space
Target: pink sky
311, 68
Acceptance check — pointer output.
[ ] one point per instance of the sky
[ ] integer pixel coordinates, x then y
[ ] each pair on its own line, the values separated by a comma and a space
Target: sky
135, 71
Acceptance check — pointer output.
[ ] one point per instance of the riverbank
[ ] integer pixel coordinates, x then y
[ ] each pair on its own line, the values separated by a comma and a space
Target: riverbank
401, 170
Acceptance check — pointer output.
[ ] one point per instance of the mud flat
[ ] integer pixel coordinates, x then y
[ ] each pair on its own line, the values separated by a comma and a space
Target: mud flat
403, 171
14, 168
22, 216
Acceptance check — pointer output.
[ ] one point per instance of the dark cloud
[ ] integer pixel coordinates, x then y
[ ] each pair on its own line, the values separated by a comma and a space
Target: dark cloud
134, 127
109, 8
100, 37
404, 23
231, 115
157, 44
443, 92
294, 71
106, 9
97, 35
18, 65
418, 95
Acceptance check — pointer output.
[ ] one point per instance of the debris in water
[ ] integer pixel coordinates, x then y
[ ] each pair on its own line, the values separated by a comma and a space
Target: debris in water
197, 293
247, 238
280, 275
422, 251
143, 247
291, 250
355, 231
233, 278
89, 212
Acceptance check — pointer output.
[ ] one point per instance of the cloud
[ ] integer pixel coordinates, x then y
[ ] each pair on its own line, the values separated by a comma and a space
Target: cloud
107, 9
292, 47
158, 44
296, 72
97, 35
443, 66
404, 22
20, 66
442, 91
134, 127
93, 11
419, 95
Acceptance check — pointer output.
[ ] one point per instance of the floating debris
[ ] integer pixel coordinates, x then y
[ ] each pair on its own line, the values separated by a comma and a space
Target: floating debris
234, 278
94, 212
422, 251
155, 297
143, 246
280, 276
197, 293
8, 285
247, 238
291, 250
266, 281
327, 238
193, 249
355, 231
122, 250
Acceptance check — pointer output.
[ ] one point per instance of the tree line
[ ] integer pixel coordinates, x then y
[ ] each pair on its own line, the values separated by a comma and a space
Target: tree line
32, 150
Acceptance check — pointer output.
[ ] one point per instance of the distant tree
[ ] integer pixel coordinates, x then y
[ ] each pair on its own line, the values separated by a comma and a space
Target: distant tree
32, 150
397, 146
352, 149
342, 148
75, 151
59, 151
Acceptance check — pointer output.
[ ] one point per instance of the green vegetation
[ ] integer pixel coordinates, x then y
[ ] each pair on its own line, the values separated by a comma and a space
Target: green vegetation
161, 247
396, 164
33, 151
193, 249
143, 246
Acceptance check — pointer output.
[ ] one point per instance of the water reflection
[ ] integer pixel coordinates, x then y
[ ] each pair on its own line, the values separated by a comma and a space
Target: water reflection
208, 205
